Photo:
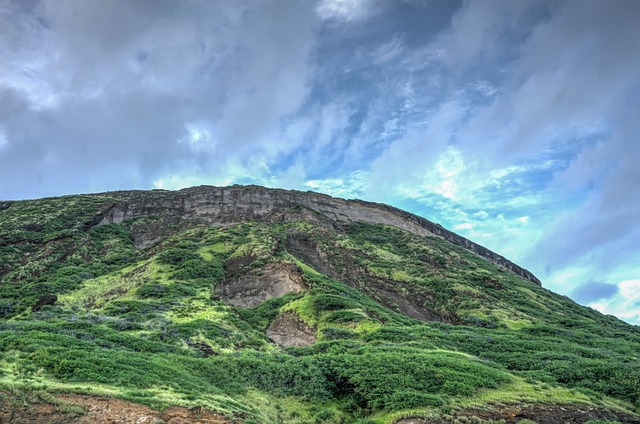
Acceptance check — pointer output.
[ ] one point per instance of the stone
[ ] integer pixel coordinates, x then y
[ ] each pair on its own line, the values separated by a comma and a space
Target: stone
47, 299
289, 330
207, 205
250, 289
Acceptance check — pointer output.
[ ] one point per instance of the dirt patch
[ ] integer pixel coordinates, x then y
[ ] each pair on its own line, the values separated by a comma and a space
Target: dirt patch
204, 348
289, 330
250, 289
540, 414
48, 299
102, 410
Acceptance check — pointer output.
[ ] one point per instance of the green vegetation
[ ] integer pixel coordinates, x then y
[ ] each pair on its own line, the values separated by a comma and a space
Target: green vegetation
406, 325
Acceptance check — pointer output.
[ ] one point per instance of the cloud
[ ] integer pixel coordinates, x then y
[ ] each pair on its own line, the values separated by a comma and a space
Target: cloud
114, 91
556, 89
593, 291
569, 80
350, 186
515, 123
477, 28
421, 159
605, 178
347, 10
624, 304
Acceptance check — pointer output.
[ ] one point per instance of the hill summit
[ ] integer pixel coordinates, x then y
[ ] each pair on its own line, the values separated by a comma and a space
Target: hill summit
248, 304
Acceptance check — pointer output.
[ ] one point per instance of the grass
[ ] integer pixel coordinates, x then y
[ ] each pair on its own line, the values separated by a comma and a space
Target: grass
130, 323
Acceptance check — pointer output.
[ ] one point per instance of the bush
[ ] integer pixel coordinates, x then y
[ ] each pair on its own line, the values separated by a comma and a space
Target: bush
197, 268
335, 333
344, 317
158, 290
175, 256
331, 302
406, 379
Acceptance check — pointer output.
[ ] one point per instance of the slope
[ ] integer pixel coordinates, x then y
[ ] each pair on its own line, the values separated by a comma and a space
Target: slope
290, 314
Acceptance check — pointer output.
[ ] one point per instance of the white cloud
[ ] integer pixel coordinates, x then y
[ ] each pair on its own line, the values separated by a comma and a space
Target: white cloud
350, 186
630, 289
163, 92
347, 10
421, 159
488, 118
625, 304
388, 51
448, 170
199, 137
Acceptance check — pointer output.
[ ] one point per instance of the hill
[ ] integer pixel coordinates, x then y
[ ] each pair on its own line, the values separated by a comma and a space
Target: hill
247, 304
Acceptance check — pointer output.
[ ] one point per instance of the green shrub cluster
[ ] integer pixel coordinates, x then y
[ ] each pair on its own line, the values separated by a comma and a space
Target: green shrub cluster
153, 333
405, 379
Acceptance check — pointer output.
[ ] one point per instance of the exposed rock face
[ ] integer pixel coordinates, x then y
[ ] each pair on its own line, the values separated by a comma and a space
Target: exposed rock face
391, 294
48, 299
533, 413
253, 288
236, 204
289, 330
103, 410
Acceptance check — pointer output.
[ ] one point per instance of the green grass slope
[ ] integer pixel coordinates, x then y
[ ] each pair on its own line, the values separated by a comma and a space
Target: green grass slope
405, 326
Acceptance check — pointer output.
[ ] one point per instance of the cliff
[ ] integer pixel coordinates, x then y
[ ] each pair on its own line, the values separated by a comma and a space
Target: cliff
232, 205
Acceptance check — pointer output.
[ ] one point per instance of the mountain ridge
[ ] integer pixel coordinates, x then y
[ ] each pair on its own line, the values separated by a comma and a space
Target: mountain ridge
234, 204
260, 307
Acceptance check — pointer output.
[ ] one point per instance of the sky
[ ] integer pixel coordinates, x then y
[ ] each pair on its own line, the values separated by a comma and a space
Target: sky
514, 123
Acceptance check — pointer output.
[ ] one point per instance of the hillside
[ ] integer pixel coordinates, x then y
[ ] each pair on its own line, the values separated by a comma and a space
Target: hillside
246, 304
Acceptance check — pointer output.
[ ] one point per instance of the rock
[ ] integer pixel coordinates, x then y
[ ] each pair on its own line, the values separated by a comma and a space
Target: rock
252, 288
206, 205
289, 330
47, 299
102, 410
204, 348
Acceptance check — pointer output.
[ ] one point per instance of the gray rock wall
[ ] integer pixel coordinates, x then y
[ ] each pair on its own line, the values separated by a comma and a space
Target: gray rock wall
231, 205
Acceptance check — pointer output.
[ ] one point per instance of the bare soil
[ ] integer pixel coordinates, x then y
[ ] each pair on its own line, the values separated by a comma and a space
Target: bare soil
540, 414
254, 287
101, 410
289, 330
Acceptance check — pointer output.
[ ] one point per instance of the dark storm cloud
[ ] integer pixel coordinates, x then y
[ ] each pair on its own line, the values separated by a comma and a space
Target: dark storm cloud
593, 291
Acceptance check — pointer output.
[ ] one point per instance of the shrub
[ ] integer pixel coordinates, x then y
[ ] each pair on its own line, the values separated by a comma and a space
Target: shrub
175, 256
197, 268
331, 302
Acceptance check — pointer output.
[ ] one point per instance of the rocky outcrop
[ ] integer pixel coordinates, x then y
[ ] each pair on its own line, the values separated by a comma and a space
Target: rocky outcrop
251, 289
289, 330
81, 409
236, 204
529, 413
48, 299
390, 293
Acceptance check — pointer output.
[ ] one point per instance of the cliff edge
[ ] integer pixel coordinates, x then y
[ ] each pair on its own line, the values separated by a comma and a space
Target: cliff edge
236, 204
